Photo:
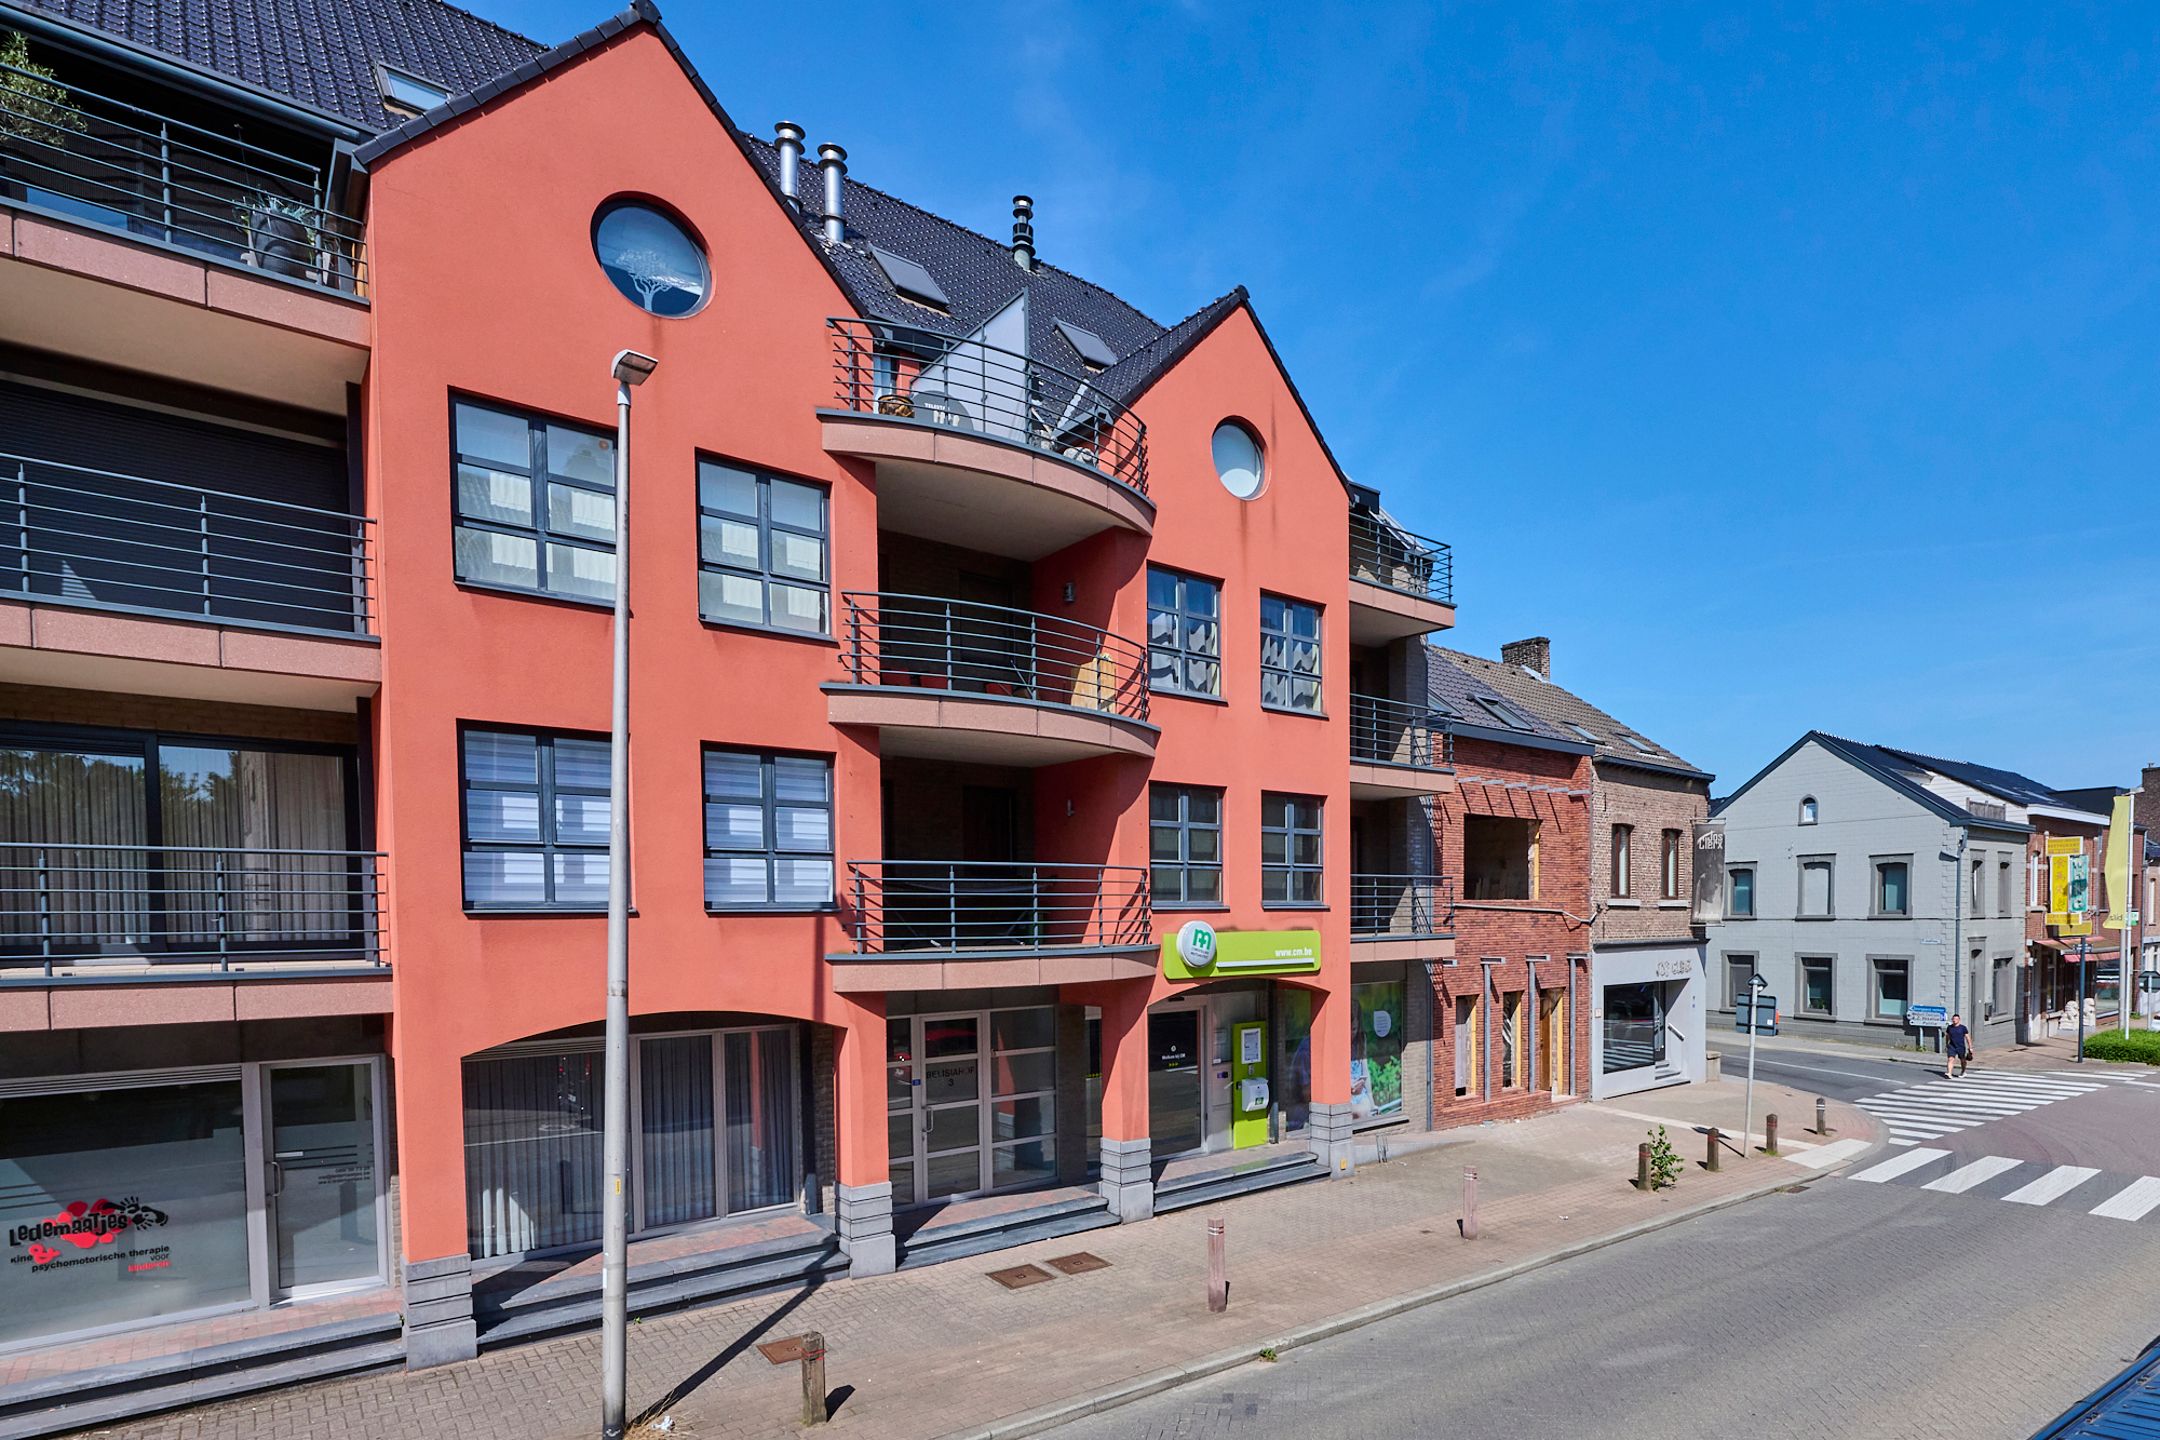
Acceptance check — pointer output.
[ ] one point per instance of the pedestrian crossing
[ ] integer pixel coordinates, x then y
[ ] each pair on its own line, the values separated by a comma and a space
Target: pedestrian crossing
2019, 1182
1920, 1113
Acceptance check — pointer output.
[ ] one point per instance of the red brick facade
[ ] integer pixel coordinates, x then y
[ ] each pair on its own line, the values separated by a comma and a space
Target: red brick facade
1551, 789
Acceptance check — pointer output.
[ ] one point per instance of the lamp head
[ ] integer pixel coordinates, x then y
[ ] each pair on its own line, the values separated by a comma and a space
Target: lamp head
632, 368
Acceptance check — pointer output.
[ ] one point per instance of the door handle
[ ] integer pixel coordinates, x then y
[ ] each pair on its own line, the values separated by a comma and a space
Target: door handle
277, 1178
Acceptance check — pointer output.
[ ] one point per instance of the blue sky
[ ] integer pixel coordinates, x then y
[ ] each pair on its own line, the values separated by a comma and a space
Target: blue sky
1789, 368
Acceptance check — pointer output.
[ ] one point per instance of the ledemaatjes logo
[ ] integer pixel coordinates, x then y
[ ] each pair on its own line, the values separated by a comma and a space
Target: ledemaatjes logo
84, 1224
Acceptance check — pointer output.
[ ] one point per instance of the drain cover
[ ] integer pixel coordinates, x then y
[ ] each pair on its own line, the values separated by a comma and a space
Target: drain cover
783, 1352
1019, 1277
1079, 1264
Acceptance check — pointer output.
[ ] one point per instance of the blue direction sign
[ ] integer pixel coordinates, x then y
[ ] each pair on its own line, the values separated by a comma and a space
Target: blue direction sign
1927, 1017
1755, 1014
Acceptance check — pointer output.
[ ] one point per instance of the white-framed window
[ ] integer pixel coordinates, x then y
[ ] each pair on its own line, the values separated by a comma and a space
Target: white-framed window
1809, 811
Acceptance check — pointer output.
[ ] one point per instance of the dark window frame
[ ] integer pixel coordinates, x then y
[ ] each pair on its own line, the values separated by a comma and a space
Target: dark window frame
1827, 963
1288, 673
767, 527
1731, 891
1754, 968
546, 789
540, 475
769, 849
1670, 853
1878, 965
1274, 804
1184, 654
1184, 827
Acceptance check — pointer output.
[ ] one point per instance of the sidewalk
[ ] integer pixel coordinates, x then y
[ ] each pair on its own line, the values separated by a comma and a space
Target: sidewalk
2057, 1052
947, 1350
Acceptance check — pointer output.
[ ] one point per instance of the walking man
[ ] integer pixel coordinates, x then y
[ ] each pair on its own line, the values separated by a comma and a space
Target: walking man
1957, 1048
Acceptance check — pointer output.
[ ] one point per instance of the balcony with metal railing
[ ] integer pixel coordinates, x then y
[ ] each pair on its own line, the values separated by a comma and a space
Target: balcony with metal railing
1402, 917
953, 924
982, 446
81, 913
959, 679
1403, 584
1398, 749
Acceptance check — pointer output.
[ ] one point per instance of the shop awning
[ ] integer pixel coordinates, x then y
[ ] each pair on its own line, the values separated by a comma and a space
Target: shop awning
2056, 945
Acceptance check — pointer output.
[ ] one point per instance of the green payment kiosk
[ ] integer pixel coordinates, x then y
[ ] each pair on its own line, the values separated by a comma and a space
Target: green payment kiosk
1248, 1084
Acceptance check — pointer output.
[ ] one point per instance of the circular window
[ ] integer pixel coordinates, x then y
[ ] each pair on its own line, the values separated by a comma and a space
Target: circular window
1238, 460
651, 258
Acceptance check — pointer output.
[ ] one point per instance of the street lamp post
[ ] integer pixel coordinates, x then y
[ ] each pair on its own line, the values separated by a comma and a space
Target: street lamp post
630, 369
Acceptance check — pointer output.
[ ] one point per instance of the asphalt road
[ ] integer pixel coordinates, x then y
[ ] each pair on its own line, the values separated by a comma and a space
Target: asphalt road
1843, 1308
1836, 1077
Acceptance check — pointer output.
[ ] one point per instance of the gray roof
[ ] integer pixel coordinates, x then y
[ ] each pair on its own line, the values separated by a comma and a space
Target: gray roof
1558, 707
1457, 689
1894, 768
321, 53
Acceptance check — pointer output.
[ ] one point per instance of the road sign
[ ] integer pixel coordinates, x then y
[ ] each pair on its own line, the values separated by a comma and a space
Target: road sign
1755, 1014
2149, 980
1928, 1017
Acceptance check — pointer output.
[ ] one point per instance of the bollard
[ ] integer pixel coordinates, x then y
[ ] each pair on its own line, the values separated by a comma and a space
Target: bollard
1822, 1120
1717, 1143
1218, 1275
1469, 1204
1769, 1135
813, 1378
1642, 1166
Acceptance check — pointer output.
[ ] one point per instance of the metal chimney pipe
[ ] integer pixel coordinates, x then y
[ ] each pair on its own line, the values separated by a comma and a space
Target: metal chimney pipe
788, 140
1023, 242
832, 160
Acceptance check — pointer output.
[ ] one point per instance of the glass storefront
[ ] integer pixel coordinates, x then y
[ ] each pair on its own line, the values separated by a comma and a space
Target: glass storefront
971, 1102
1634, 1026
534, 1169
1376, 1050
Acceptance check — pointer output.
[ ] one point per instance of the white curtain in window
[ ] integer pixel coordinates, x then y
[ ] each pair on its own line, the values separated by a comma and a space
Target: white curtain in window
675, 1088
761, 1164
533, 1164
53, 803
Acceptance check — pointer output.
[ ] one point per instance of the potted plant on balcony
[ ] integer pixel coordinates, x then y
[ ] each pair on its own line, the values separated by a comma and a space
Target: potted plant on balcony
282, 237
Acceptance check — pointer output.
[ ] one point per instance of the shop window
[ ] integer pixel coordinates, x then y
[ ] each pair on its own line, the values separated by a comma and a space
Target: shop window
1499, 857
123, 1206
1634, 1027
1817, 986
1293, 1055
1740, 892
1376, 1044
1289, 654
535, 503
1185, 845
536, 821
762, 550
1184, 633
1290, 850
1892, 988
768, 830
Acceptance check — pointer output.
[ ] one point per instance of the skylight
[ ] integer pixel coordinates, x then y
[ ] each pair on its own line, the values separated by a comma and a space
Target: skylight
1638, 742
409, 92
1580, 731
911, 280
1501, 711
1093, 349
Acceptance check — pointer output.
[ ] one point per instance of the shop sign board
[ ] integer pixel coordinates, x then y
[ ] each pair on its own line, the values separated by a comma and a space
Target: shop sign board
1198, 951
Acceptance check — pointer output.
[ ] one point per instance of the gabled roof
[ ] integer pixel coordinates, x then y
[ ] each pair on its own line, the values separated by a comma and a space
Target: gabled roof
1565, 709
1892, 768
321, 53
1457, 693
2008, 784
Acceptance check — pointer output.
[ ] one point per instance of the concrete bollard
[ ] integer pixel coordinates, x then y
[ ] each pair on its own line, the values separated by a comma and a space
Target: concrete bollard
1218, 1273
1769, 1135
813, 1378
1469, 1204
1822, 1117
1717, 1143
1642, 1166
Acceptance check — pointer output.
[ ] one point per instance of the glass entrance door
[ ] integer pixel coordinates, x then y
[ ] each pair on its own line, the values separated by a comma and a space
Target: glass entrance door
949, 1104
322, 1178
1174, 1121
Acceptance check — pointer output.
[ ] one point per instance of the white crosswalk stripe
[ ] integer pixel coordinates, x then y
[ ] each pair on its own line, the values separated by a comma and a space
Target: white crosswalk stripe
1958, 1181
2133, 1202
1898, 1165
2019, 1182
2052, 1186
1936, 1108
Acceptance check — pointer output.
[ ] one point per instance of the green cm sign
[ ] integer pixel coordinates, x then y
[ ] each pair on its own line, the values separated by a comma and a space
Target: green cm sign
1198, 951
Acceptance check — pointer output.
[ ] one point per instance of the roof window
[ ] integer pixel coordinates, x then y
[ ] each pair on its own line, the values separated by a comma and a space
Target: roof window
1585, 734
1637, 742
911, 281
408, 92
1092, 348
1503, 712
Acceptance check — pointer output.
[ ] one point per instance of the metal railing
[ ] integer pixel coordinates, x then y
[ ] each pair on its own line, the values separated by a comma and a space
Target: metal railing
92, 157
910, 905
910, 373
1402, 905
98, 537
1393, 732
67, 904
1383, 553
930, 642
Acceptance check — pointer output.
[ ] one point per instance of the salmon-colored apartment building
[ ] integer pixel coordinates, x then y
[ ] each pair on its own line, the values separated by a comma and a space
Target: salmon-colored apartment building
1029, 733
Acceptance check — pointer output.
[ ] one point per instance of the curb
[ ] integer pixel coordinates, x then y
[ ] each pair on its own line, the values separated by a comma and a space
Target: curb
1154, 1382
1853, 1050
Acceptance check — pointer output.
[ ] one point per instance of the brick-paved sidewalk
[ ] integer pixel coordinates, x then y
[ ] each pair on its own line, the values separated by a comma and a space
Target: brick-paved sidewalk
944, 1349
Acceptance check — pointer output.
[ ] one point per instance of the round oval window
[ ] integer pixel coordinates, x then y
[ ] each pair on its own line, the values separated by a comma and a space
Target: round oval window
651, 258
1238, 460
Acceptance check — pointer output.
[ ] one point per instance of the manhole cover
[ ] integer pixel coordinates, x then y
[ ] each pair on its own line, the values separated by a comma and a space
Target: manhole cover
783, 1352
1079, 1264
1019, 1277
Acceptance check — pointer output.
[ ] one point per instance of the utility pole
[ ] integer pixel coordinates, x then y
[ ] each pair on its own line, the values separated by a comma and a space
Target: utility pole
1957, 930
629, 369
2082, 952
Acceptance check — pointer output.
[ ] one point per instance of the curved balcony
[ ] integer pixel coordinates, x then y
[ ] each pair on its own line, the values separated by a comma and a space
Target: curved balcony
958, 924
1401, 584
981, 446
954, 679
1398, 750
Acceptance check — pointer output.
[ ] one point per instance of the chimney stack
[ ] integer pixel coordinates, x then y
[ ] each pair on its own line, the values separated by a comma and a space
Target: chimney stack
1534, 655
1023, 246
832, 160
788, 140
